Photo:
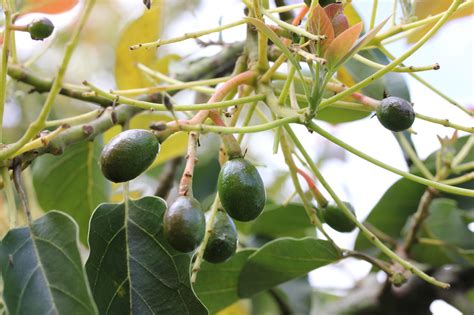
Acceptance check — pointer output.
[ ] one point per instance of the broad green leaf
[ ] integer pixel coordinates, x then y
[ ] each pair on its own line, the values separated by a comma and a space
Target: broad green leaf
339, 48
42, 269
216, 284
320, 24
445, 223
145, 29
278, 221
282, 260
72, 182
131, 268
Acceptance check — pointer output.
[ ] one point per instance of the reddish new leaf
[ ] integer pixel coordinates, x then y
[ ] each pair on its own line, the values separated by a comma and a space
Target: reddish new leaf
364, 40
320, 24
48, 6
341, 45
335, 12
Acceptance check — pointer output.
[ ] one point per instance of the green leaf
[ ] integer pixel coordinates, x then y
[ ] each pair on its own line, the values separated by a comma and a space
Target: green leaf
278, 221
59, 179
131, 268
282, 260
445, 223
216, 284
42, 269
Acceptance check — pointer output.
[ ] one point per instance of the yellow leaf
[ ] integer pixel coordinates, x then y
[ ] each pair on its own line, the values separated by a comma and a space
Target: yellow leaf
425, 8
174, 146
351, 14
144, 29
238, 308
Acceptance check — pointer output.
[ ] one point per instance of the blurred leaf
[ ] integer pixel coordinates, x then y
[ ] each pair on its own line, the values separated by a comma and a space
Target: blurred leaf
282, 260
265, 303
335, 12
42, 269
278, 221
320, 24
298, 293
46, 6
338, 115
445, 223
59, 179
401, 200
216, 284
238, 308
131, 268
424, 9
351, 14
174, 146
144, 29
339, 48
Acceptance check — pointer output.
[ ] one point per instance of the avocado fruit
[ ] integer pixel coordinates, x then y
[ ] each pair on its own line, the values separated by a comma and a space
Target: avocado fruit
222, 242
395, 114
334, 216
184, 224
241, 190
128, 154
40, 28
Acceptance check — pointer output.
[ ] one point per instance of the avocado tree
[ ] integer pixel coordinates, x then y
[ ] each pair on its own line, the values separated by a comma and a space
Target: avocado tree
106, 210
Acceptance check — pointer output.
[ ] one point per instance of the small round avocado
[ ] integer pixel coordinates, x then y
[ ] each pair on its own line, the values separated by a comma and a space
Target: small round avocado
241, 190
222, 241
395, 114
40, 28
335, 217
128, 154
184, 224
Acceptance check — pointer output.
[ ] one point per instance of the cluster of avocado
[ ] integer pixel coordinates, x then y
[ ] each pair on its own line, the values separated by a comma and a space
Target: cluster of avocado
242, 195
395, 114
240, 190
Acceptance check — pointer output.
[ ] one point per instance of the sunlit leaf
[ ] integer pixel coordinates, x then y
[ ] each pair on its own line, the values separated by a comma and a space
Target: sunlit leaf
335, 12
174, 146
339, 48
424, 9
42, 269
320, 24
145, 29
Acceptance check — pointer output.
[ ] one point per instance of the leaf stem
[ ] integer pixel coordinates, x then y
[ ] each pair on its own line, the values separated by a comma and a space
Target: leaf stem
413, 156
4, 62
376, 65
374, 14
420, 180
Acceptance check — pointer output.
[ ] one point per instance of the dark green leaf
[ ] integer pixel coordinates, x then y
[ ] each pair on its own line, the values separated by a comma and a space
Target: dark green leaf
42, 269
391, 212
131, 268
216, 284
59, 179
282, 260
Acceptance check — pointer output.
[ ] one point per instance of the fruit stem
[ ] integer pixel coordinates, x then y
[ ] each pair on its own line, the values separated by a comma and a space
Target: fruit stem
413, 156
376, 65
19, 28
200, 252
20, 188
186, 183
4, 62
10, 197
322, 202
367, 233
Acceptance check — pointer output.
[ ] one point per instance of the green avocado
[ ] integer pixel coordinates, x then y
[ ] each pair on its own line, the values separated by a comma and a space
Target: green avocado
40, 28
335, 217
241, 190
395, 114
222, 241
128, 155
184, 224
